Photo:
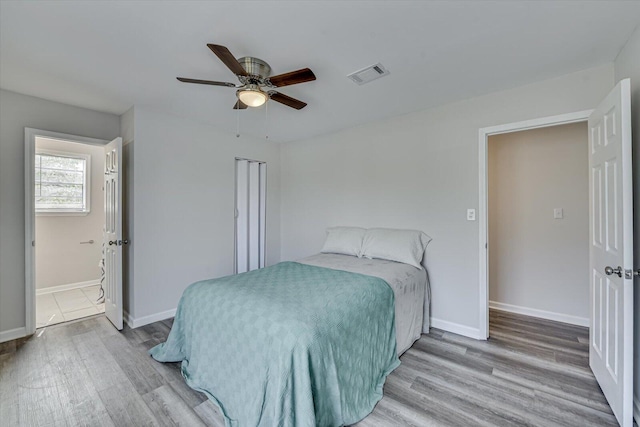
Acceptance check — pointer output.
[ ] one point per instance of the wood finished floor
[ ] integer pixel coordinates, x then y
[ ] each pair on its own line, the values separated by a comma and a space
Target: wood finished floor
531, 372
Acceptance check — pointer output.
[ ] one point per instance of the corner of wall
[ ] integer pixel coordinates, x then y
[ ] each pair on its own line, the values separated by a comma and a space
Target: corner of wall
127, 122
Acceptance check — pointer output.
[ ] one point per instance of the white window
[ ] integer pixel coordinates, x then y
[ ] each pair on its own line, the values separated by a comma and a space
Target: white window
251, 197
62, 182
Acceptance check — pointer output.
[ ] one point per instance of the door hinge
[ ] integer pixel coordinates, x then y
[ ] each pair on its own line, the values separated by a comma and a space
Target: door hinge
33, 243
629, 273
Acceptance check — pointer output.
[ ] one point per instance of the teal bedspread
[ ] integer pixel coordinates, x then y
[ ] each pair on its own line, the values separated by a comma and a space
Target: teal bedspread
287, 345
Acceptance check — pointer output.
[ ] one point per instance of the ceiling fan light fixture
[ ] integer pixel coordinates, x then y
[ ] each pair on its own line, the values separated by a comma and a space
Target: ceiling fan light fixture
252, 96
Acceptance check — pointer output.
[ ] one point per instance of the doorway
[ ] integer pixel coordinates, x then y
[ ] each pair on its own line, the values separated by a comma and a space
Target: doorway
538, 215
483, 213
64, 208
69, 208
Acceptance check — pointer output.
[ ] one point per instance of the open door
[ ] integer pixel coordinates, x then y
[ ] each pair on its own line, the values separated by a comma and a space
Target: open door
113, 232
611, 250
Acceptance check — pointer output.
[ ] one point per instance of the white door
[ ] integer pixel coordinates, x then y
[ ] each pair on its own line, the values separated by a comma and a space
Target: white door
611, 250
251, 190
113, 232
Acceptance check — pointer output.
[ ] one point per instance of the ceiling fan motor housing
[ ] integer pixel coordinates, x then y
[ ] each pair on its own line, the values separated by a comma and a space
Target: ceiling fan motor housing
255, 67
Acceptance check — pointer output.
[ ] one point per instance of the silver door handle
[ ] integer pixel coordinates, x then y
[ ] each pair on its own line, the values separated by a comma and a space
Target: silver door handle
609, 271
123, 242
113, 242
90, 242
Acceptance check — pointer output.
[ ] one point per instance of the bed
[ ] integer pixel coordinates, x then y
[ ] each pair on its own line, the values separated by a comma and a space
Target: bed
307, 343
409, 284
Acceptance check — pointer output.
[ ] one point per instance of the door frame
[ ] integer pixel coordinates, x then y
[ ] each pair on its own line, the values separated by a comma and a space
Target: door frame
483, 209
30, 135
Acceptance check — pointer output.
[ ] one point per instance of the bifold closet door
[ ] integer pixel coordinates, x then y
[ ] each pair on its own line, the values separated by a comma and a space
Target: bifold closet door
250, 214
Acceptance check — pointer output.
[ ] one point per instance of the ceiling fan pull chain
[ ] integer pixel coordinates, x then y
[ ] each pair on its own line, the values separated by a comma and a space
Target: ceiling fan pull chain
266, 120
238, 121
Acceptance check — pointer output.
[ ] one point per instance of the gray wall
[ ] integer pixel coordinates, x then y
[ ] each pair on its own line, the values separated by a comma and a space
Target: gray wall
17, 112
418, 171
627, 65
184, 175
530, 174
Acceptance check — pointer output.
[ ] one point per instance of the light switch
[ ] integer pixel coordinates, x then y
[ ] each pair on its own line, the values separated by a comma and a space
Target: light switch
558, 213
471, 214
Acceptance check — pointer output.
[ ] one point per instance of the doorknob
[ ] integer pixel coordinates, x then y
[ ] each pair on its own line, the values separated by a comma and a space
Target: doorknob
123, 242
609, 271
113, 242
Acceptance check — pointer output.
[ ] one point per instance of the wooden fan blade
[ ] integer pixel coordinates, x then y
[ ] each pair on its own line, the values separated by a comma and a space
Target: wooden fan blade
228, 59
205, 82
287, 100
240, 105
292, 78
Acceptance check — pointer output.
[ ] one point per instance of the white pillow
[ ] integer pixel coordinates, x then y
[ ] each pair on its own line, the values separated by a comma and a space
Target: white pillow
406, 246
344, 240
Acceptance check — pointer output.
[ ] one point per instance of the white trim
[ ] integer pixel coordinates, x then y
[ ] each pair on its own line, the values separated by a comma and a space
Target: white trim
145, 320
30, 135
483, 135
636, 409
541, 314
13, 334
67, 287
62, 213
456, 328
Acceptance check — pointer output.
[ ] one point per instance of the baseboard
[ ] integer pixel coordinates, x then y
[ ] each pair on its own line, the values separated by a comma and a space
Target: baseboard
456, 328
145, 320
126, 317
636, 409
68, 287
13, 334
542, 314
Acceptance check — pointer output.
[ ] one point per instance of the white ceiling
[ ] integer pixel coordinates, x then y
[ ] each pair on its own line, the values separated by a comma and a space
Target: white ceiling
111, 55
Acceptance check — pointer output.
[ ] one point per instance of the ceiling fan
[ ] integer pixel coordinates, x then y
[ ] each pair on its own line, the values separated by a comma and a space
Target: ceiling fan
256, 85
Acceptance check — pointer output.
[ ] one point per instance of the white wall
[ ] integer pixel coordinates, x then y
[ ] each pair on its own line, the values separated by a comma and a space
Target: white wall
184, 207
538, 263
418, 171
17, 112
627, 65
60, 258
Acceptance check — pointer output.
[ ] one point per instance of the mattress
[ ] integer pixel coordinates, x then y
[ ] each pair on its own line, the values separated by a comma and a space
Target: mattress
410, 287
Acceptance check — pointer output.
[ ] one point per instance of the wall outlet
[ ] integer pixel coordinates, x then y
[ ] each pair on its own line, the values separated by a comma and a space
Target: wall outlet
471, 214
558, 213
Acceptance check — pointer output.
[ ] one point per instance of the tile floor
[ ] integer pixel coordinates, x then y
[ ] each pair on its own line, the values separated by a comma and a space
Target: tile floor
63, 306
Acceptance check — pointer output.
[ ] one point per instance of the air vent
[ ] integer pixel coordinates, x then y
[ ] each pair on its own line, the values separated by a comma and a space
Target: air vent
369, 74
